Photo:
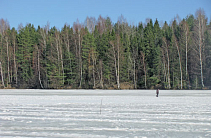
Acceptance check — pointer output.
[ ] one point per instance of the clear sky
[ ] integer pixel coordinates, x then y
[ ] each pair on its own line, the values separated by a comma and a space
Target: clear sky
59, 12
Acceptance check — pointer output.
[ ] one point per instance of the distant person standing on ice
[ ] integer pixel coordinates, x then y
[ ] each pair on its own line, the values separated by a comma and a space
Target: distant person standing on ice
157, 92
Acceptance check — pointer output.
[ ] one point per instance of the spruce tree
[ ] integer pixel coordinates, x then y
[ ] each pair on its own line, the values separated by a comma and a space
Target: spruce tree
26, 43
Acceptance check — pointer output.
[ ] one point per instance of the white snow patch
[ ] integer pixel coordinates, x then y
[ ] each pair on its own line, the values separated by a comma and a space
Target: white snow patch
125, 113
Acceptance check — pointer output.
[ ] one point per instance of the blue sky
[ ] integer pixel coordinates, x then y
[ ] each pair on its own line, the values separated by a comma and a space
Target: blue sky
59, 12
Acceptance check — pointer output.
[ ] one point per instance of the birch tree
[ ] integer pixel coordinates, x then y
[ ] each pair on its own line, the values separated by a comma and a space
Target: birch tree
199, 29
116, 57
14, 39
4, 25
59, 54
77, 30
2, 76
185, 38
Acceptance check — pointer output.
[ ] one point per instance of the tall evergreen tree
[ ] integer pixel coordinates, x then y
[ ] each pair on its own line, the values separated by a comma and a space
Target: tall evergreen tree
89, 57
26, 43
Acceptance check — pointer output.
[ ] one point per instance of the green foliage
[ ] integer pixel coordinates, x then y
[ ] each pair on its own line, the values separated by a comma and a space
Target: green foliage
26, 43
78, 57
89, 57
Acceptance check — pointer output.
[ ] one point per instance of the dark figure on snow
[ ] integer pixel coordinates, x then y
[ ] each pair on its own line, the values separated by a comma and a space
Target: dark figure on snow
157, 92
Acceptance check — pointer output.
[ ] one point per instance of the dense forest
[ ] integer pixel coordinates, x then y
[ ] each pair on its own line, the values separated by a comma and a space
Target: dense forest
99, 54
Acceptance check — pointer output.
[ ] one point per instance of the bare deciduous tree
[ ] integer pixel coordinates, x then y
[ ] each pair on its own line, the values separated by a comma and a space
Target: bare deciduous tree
13, 35
101, 24
4, 25
185, 36
90, 23
166, 48
199, 29
116, 56
77, 29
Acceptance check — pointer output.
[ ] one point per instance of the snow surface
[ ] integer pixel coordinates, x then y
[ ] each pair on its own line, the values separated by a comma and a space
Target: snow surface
123, 113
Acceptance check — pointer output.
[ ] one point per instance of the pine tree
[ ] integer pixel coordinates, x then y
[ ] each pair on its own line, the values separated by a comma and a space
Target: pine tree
157, 65
26, 42
149, 52
89, 57
69, 59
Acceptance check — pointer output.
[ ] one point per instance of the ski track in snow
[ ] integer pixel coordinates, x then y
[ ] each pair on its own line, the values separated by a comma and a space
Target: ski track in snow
125, 113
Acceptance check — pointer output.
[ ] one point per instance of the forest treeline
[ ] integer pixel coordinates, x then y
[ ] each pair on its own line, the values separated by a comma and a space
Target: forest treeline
104, 55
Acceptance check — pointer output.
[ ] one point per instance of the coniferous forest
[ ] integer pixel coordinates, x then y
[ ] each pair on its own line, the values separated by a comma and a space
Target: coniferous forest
100, 54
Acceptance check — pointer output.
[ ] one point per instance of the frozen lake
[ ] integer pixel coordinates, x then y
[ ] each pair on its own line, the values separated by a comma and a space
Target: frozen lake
104, 113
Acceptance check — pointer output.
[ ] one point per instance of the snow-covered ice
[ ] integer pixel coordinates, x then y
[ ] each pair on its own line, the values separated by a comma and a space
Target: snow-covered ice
123, 113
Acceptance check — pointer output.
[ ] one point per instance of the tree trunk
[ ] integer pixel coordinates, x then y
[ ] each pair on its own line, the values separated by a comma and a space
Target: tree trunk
164, 67
164, 70
93, 71
8, 61
118, 52
196, 82
179, 60
38, 66
57, 49
116, 62
145, 76
186, 55
168, 64
68, 48
168, 67
145, 71
186, 29
200, 25
80, 62
186, 51
43, 34
134, 74
200, 51
15, 66
62, 63
2, 77
101, 73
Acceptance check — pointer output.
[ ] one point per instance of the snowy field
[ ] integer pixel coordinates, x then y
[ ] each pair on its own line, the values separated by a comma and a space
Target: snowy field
104, 113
